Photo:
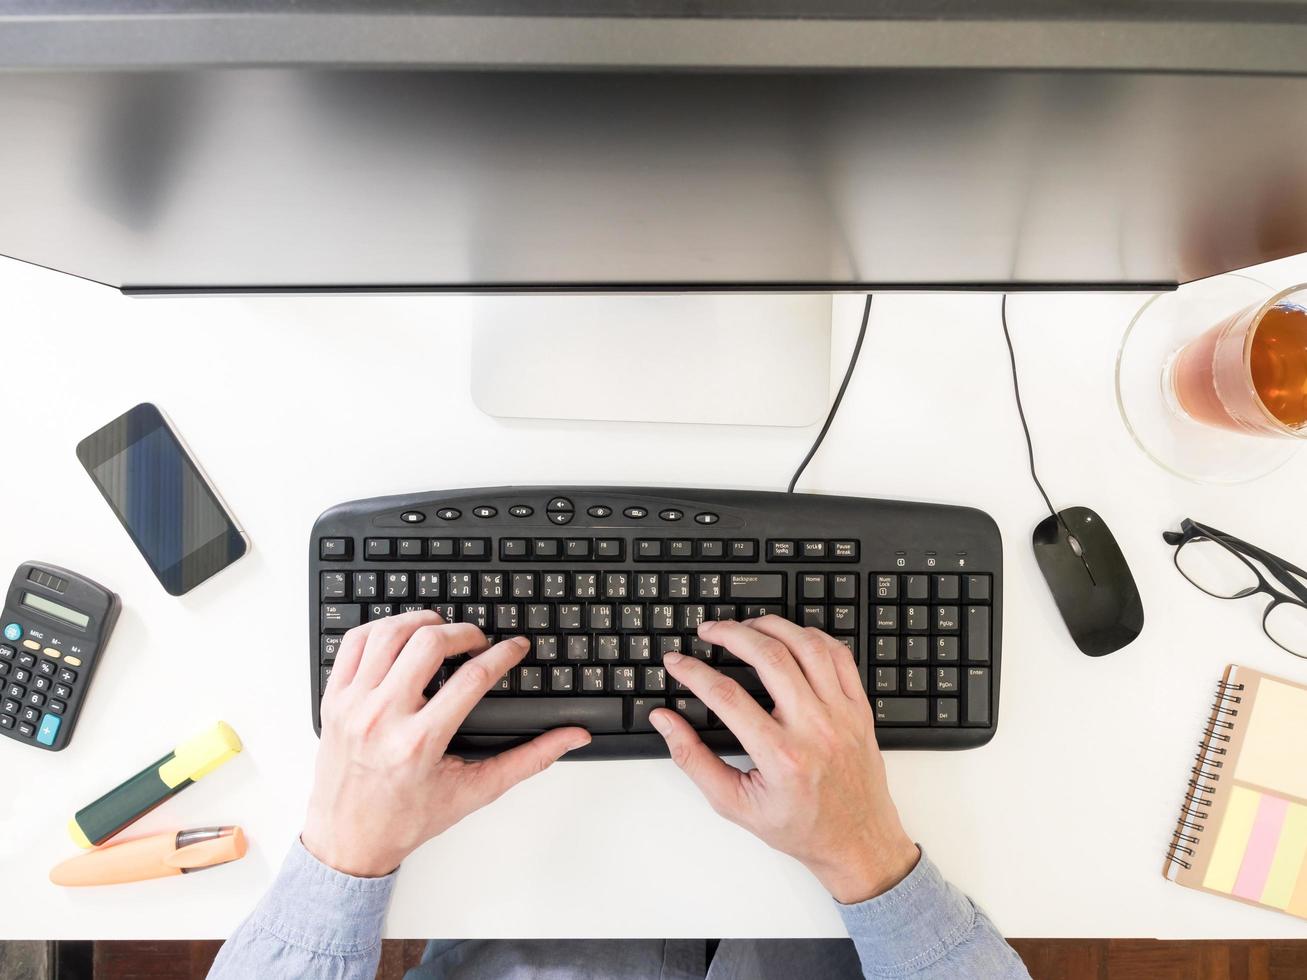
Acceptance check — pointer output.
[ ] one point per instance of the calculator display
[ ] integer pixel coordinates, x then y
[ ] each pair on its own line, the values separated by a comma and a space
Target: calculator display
56, 610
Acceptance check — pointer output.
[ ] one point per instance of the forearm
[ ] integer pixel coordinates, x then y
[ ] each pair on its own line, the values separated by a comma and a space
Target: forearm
926, 928
313, 922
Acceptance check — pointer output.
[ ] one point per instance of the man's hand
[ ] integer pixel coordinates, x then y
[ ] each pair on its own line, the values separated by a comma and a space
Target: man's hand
383, 783
819, 792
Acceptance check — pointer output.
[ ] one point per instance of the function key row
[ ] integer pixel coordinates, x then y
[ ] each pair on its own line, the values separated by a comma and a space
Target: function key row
790, 550
540, 549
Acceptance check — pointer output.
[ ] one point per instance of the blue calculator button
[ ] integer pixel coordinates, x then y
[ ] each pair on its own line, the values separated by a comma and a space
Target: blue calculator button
13, 632
49, 729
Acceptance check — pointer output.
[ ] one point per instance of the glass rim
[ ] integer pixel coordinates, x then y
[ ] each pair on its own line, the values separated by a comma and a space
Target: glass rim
1275, 603
1259, 583
1298, 432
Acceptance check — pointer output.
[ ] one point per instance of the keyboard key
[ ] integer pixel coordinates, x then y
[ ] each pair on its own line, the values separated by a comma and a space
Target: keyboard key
378, 549
916, 588
531, 716
397, 585
653, 680
569, 617
843, 550
607, 647
843, 587
617, 585
639, 648
946, 648
916, 649
647, 585
609, 549
380, 610
555, 585
530, 680
410, 547
978, 634
669, 644
508, 616
428, 585
886, 619
441, 548
978, 588
561, 679
460, 585
680, 548
631, 617
811, 550
599, 616
622, 680
852, 643
844, 619
977, 701
577, 548
678, 586
593, 678
365, 585
812, 587
662, 617
335, 549
916, 619
946, 680
887, 649
712, 549
692, 710
474, 548
334, 585
547, 549
947, 619
339, 618
781, 550
524, 585
640, 709
545, 647
886, 680
514, 548
813, 616
578, 647
885, 586
648, 549
742, 586
585, 585
744, 550
539, 616
901, 711
916, 680
946, 711
948, 588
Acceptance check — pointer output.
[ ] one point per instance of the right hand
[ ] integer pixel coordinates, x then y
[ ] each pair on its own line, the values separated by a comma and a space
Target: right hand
819, 793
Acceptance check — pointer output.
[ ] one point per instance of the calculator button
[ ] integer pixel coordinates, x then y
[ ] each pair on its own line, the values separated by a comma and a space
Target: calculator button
36, 699
52, 652
31, 644
73, 661
13, 632
29, 715
22, 676
26, 660
46, 667
41, 684
9, 706
26, 730
6, 721
63, 691
7, 652
67, 676
56, 707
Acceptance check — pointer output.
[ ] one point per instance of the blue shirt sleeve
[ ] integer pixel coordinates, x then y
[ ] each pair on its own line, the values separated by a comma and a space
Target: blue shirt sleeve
313, 922
927, 929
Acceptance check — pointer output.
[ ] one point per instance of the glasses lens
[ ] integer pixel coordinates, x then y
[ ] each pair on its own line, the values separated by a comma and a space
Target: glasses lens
1286, 624
1215, 569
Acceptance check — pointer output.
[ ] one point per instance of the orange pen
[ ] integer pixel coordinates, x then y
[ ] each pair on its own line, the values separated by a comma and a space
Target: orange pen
158, 856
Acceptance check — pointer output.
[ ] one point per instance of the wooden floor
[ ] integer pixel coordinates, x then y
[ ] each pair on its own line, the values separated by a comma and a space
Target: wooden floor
1047, 959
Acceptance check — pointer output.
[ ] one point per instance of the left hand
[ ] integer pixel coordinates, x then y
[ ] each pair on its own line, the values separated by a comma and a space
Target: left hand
383, 783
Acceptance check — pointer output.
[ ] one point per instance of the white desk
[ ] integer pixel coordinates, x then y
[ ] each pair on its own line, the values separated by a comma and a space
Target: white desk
1057, 827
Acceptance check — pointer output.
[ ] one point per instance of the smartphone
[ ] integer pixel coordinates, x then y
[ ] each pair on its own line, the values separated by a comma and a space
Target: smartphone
162, 498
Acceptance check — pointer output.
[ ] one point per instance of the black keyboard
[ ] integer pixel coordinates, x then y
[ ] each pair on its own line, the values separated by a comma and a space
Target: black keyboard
604, 581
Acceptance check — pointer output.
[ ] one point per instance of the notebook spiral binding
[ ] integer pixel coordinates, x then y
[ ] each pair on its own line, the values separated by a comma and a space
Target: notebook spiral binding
1204, 774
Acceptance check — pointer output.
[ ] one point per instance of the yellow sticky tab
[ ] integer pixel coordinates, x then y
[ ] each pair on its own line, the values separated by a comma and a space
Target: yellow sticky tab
1289, 855
200, 755
1232, 840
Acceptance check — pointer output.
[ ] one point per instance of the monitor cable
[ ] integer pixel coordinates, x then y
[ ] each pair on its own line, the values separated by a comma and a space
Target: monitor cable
839, 396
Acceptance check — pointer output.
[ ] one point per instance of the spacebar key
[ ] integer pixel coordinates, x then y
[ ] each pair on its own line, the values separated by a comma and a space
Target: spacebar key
530, 716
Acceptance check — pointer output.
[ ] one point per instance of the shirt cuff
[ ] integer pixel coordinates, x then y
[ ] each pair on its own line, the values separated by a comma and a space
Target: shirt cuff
915, 923
324, 910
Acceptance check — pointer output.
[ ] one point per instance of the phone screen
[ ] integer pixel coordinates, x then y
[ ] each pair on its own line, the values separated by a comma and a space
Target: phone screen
161, 498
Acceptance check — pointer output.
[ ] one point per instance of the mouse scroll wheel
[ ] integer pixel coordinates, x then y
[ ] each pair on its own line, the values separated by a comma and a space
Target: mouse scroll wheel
1074, 542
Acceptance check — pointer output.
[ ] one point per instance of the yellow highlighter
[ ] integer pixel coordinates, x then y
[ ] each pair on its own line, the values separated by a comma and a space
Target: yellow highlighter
160, 856
131, 800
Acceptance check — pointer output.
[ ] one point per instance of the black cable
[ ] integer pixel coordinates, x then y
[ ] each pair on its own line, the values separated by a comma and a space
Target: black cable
1030, 446
839, 396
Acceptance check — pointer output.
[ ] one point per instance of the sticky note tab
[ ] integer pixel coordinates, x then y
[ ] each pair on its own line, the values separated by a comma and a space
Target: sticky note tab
1262, 843
1231, 840
1274, 755
1289, 857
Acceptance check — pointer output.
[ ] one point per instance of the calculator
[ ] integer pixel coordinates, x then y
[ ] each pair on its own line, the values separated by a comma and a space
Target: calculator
55, 627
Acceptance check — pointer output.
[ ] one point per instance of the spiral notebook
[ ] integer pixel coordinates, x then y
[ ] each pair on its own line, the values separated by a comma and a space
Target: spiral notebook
1242, 832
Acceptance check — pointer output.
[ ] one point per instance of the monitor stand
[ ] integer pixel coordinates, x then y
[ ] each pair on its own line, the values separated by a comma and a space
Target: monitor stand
726, 359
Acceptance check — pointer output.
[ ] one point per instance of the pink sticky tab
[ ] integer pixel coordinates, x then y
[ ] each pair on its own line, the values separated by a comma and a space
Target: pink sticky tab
1261, 848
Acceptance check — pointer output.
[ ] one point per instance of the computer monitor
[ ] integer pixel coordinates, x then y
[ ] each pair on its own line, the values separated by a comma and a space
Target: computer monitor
757, 147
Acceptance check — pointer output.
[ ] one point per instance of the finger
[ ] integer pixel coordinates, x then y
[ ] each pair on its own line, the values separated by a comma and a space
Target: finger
718, 781
847, 670
811, 648
347, 657
384, 641
422, 656
496, 776
776, 667
756, 730
468, 685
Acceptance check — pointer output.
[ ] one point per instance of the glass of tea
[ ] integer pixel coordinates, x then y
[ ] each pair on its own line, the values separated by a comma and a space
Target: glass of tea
1248, 373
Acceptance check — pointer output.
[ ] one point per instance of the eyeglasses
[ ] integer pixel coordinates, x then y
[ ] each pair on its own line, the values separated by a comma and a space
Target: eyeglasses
1222, 566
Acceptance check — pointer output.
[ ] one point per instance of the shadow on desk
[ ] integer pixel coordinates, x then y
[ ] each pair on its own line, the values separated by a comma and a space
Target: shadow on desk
1047, 959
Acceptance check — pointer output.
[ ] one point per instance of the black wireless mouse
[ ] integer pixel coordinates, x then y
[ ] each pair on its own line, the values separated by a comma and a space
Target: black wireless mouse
1090, 580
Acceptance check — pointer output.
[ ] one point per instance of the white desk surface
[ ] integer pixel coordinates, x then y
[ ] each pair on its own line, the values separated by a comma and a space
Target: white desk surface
1057, 827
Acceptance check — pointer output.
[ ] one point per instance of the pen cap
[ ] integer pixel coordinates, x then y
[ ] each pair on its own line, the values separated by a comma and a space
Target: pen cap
199, 756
